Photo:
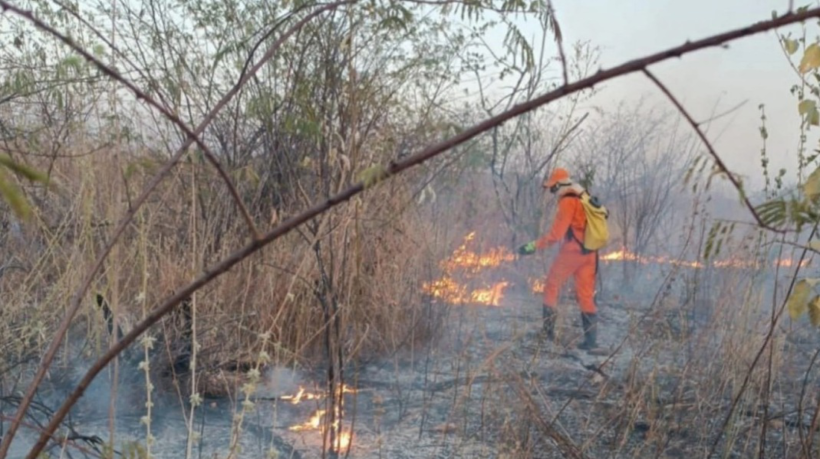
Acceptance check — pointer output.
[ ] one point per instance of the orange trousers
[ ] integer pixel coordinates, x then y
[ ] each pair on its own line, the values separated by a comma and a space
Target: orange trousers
572, 262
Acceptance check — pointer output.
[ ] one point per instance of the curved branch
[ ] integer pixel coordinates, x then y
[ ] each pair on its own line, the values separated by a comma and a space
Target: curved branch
80, 293
395, 168
711, 149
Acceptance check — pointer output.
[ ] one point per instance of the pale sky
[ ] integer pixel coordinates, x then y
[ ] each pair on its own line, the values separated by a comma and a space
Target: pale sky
752, 69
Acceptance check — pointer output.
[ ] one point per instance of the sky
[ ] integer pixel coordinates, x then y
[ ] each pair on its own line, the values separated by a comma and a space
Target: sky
753, 70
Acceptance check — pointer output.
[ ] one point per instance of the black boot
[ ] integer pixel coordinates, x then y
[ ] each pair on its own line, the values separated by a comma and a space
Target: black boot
548, 324
590, 325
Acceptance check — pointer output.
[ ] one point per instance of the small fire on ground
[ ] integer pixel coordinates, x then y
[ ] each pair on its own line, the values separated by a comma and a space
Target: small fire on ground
316, 422
467, 265
624, 255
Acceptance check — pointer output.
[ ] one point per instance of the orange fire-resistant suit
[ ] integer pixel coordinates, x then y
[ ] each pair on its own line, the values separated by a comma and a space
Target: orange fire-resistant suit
571, 261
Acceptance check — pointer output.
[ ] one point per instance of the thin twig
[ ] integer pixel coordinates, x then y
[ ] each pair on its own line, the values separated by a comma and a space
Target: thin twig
718, 160
395, 168
722, 114
804, 443
68, 441
559, 40
760, 351
120, 229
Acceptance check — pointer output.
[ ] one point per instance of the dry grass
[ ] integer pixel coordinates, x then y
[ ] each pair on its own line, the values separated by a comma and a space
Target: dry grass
373, 254
689, 341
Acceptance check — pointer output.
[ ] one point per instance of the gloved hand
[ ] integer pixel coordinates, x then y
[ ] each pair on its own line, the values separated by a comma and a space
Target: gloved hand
527, 249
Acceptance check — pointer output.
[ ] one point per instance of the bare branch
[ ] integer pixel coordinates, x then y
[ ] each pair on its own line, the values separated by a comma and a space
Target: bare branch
394, 168
559, 40
80, 293
722, 114
711, 150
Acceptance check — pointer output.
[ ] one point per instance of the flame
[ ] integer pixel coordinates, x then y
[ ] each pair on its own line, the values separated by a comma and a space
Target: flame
491, 296
313, 423
464, 263
303, 395
344, 436
536, 285
343, 442
624, 255
473, 262
469, 263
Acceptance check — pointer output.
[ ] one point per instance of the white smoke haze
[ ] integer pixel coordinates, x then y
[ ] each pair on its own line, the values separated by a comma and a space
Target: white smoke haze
409, 300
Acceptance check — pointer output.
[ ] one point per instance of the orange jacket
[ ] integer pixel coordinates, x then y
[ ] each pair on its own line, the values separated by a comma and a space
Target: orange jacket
570, 214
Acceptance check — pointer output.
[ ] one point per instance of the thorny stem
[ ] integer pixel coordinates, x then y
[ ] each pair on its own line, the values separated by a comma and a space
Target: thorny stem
194, 344
80, 293
147, 343
394, 168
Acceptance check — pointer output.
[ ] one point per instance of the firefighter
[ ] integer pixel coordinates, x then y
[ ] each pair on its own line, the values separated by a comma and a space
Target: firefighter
573, 259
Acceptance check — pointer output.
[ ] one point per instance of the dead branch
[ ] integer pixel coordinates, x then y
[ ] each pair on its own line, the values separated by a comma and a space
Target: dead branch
68, 440
394, 168
559, 40
126, 220
711, 149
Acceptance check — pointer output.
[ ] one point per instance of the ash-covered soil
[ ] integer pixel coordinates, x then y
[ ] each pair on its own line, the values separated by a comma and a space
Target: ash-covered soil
488, 388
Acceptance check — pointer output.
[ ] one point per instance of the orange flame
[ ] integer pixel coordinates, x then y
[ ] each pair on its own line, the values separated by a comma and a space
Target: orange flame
313, 423
470, 263
342, 441
302, 395
536, 285
624, 255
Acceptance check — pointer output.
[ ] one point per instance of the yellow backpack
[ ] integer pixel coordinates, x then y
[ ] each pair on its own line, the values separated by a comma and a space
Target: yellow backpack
596, 233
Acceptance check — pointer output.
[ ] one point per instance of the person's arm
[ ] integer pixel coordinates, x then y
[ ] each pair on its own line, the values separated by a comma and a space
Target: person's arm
560, 226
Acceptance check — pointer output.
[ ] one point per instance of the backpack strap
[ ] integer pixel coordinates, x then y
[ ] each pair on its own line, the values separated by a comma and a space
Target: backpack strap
570, 236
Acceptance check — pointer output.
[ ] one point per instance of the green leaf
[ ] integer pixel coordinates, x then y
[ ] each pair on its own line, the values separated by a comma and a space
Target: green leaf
811, 58
14, 197
22, 169
790, 45
814, 245
372, 175
798, 301
805, 106
808, 109
814, 311
811, 189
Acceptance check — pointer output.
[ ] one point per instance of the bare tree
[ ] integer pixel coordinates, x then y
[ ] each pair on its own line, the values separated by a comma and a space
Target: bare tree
635, 159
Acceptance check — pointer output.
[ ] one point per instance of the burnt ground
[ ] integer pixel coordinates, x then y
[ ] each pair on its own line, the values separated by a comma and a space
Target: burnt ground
488, 389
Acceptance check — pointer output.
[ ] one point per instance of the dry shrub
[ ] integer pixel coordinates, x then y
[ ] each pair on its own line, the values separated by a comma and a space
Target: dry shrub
372, 254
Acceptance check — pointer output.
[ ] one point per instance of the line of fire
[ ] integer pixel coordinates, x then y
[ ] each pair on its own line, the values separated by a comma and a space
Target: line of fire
464, 264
